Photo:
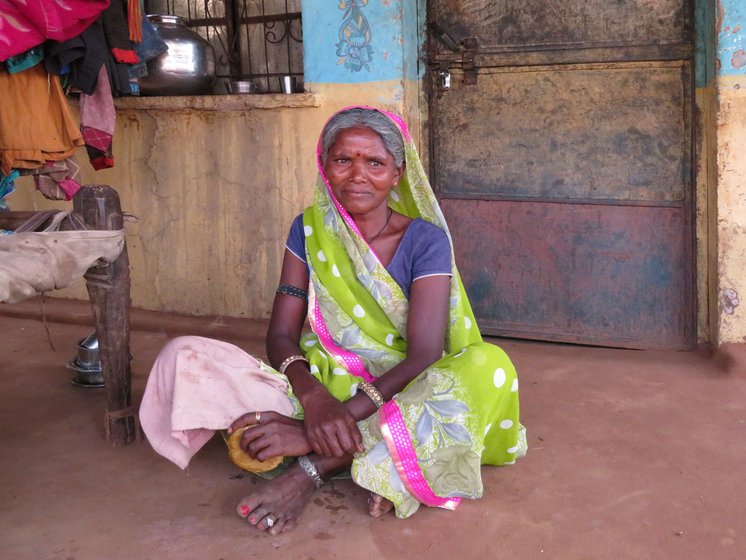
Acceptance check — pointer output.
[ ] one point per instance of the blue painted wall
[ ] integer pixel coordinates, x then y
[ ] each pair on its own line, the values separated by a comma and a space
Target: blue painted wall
359, 41
731, 48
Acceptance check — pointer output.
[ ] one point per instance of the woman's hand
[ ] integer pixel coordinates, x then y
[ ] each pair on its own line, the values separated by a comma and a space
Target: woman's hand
330, 428
273, 436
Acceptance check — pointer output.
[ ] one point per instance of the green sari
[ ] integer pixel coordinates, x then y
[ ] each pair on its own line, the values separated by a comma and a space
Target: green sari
426, 445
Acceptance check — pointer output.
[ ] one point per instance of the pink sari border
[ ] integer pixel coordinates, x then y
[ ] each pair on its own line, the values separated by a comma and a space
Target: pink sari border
402, 452
399, 122
353, 362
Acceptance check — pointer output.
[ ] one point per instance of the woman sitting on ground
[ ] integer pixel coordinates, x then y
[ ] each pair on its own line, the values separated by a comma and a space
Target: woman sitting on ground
393, 380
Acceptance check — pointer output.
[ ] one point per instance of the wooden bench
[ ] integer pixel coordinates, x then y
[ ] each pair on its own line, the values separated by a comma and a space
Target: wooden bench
97, 207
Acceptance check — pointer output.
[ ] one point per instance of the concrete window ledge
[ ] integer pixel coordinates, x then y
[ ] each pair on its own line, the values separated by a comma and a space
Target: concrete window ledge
240, 102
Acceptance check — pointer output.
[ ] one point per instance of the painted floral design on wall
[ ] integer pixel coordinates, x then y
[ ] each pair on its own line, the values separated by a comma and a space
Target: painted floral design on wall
353, 49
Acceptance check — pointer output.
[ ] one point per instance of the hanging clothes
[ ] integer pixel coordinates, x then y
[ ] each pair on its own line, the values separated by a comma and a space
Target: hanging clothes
85, 55
27, 24
148, 48
97, 120
25, 60
56, 180
117, 32
36, 124
7, 186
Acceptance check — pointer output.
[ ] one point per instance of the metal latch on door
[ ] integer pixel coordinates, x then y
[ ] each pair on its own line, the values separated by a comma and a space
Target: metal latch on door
464, 53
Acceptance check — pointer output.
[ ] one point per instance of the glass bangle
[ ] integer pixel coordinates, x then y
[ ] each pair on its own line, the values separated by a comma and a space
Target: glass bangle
373, 393
286, 363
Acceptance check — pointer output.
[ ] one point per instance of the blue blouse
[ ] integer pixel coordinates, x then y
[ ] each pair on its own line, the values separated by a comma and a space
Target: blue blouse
424, 250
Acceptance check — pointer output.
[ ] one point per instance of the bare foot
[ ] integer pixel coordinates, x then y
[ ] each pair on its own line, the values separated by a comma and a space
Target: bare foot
378, 505
277, 504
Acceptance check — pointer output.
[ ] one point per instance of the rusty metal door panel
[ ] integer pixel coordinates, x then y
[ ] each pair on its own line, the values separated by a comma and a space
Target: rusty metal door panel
596, 133
593, 274
542, 24
561, 150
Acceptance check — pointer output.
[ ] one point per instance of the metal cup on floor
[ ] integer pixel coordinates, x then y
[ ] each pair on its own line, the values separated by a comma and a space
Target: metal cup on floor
288, 84
87, 363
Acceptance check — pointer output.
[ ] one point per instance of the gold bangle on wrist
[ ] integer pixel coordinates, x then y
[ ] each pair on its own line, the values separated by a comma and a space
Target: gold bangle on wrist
373, 393
286, 363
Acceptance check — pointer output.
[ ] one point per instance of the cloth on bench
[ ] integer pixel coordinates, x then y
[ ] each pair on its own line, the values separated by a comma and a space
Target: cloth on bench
33, 262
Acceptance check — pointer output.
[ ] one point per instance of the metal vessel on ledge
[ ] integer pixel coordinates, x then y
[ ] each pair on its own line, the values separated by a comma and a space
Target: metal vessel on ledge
186, 68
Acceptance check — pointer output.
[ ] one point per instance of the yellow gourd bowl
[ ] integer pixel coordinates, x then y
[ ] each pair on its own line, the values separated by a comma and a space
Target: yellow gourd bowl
242, 459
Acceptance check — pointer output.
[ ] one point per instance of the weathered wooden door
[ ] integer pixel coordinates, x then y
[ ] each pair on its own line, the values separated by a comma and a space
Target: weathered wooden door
561, 150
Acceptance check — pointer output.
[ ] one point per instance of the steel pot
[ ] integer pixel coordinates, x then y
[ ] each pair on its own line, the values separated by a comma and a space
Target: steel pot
186, 68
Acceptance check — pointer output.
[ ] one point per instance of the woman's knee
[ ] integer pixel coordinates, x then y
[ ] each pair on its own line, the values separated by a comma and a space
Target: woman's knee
179, 344
179, 348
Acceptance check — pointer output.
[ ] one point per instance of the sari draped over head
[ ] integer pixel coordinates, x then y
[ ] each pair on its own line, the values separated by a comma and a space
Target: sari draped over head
425, 445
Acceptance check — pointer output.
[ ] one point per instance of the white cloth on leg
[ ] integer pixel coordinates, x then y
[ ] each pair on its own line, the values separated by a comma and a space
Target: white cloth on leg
199, 385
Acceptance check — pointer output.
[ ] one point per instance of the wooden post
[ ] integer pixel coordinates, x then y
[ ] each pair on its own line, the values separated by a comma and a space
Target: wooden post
109, 292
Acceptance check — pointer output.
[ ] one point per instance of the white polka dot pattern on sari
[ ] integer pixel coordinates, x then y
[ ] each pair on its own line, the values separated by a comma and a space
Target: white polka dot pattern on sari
499, 378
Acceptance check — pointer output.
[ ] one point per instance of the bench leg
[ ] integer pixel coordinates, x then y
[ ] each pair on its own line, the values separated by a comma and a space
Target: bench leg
109, 292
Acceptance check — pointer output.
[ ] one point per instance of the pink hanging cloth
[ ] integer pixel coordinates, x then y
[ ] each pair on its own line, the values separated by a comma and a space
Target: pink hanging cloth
97, 120
27, 23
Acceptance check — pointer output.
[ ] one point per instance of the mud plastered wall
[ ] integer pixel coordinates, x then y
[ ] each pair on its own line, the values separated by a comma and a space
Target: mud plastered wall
731, 170
215, 186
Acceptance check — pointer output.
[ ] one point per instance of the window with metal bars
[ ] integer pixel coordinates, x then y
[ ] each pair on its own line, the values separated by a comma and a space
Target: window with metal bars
256, 40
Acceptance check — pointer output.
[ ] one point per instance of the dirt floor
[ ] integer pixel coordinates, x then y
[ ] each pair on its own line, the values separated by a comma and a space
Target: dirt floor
632, 455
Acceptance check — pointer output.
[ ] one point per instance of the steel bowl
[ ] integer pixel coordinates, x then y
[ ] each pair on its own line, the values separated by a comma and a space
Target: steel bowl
241, 86
86, 377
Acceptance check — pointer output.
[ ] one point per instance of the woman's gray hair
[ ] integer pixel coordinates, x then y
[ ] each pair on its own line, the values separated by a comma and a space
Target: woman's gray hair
369, 118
